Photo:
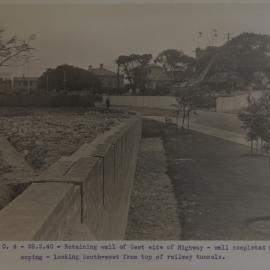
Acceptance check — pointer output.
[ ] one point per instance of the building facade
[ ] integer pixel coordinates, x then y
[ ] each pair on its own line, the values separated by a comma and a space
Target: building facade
23, 84
5, 83
107, 78
156, 77
5, 86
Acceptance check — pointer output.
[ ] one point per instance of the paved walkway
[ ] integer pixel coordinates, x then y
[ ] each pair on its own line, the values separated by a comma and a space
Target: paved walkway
224, 134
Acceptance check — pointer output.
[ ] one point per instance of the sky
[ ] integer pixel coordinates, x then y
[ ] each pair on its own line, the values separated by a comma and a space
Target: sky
90, 34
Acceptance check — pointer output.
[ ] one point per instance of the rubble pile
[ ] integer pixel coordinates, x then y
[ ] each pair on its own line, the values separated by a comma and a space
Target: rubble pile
43, 136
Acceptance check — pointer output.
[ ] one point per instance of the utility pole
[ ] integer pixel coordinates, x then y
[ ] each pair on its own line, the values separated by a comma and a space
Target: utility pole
65, 80
27, 78
118, 78
47, 83
228, 36
231, 71
198, 40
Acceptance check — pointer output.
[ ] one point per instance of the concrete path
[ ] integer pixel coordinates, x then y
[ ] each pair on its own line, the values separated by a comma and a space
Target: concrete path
224, 134
221, 125
153, 213
225, 121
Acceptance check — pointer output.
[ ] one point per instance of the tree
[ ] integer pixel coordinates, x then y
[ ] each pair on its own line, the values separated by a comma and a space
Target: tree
15, 51
174, 62
67, 77
239, 58
134, 68
256, 119
188, 100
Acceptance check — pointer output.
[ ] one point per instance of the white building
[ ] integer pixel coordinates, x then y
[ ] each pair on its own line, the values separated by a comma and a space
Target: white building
25, 84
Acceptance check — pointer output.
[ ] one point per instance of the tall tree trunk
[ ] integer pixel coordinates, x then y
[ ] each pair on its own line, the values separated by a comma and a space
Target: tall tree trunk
188, 118
177, 118
184, 116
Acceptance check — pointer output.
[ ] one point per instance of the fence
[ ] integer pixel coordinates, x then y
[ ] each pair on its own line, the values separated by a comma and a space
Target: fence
161, 102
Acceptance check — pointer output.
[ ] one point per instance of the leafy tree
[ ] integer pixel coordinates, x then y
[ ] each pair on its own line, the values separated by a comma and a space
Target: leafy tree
256, 119
134, 68
173, 60
189, 100
242, 56
15, 51
67, 77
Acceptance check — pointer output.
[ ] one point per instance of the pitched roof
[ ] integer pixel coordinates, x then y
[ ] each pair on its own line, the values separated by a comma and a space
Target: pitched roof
25, 78
102, 72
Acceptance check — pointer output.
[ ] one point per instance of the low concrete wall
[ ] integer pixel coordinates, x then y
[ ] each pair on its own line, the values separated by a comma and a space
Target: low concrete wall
161, 102
91, 187
46, 101
235, 103
44, 211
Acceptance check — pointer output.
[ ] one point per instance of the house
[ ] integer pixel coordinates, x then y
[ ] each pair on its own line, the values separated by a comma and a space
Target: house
156, 77
5, 86
5, 83
25, 84
108, 79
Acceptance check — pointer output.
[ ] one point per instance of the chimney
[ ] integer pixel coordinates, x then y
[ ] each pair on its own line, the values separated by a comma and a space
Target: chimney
101, 65
90, 67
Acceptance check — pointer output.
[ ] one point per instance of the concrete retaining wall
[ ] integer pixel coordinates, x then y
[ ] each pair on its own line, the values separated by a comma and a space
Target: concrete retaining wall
92, 188
223, 104
46, 101
235, 103
161, 102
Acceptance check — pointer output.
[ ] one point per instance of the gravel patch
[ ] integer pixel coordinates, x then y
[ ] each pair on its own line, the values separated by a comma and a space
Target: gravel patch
153, 210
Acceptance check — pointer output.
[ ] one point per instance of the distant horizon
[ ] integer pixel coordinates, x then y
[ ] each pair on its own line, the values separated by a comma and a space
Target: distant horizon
83, 35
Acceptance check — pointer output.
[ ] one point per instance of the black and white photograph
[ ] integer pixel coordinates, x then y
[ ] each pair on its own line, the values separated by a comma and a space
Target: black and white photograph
134, 121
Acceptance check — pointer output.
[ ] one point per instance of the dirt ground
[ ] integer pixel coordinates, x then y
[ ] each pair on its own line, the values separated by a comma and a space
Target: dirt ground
42, 136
